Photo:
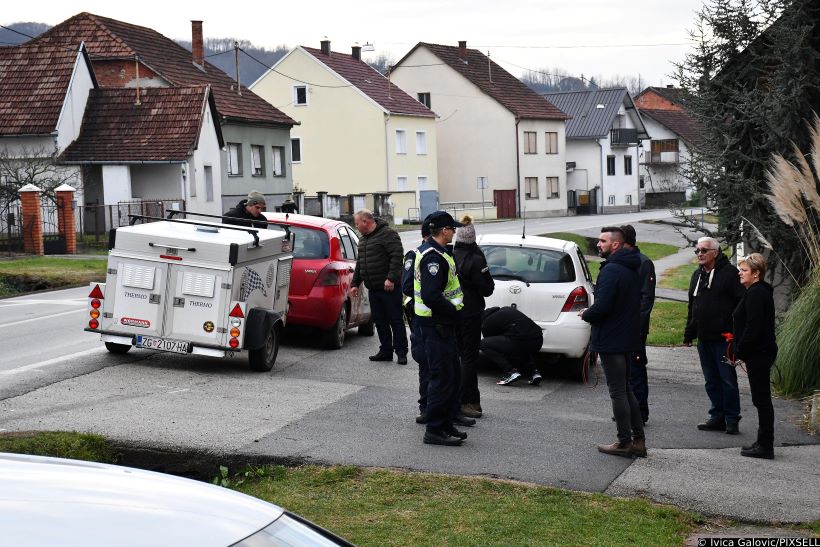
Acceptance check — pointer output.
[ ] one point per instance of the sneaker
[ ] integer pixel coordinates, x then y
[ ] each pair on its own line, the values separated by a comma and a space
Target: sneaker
401, 359
536, 378
514, 377
381, 357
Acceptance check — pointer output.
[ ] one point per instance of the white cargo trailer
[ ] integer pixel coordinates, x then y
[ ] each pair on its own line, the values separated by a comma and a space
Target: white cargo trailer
192, 287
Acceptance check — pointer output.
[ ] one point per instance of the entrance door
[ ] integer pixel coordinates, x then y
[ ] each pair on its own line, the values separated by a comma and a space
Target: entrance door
505, 203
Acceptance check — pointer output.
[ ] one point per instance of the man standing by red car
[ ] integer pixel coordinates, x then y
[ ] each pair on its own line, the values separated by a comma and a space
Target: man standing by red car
379, 268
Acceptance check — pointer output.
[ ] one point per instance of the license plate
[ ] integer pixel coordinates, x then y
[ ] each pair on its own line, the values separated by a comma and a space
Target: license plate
162, 344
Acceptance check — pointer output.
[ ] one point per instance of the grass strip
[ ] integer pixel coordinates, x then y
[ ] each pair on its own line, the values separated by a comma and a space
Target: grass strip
666, 324
58, 444
386, 507
37, 273
678, 278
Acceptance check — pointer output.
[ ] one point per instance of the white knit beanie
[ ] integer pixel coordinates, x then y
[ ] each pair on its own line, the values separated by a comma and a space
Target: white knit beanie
466, 234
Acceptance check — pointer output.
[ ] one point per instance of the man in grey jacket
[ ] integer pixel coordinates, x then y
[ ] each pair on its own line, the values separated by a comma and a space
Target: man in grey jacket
378, 266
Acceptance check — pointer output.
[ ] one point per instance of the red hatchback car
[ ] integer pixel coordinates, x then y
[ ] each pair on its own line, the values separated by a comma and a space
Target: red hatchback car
324, 258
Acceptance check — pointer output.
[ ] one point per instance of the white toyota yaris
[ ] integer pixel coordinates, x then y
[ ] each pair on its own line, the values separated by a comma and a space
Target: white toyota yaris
546, 279
55, 502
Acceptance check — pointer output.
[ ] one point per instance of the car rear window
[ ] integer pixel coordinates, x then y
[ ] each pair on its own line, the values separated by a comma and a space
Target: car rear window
529, 264
310, 243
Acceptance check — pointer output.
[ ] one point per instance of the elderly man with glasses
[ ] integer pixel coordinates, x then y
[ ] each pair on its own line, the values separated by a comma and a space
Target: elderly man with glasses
714, 292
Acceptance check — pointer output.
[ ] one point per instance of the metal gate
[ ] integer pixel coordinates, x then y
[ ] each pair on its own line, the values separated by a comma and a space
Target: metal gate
428, 201
586, 202
11, 238
53, 240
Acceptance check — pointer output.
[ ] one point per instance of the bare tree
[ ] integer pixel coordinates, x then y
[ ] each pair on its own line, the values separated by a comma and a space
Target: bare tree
32, 165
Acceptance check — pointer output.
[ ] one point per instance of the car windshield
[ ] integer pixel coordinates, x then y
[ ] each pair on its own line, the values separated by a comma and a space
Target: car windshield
307, 242
529, 264
289, 530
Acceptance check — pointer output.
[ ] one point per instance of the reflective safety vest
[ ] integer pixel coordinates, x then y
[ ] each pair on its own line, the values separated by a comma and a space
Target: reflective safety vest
452, 291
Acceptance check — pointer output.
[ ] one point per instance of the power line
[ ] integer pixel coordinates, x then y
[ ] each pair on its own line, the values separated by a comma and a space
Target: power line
291, 77
581, 46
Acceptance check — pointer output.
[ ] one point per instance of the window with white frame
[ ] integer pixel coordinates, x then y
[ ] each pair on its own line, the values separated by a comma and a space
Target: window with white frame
278, 161
611, 200
530, 142
424, 98
629, 199
401, 183
552, 187
421, 143
296, 150
627, 165
234, 159
257, 160
610, 166
421, 183
209, 183
300, 95
552, 142
401, 141
531, 187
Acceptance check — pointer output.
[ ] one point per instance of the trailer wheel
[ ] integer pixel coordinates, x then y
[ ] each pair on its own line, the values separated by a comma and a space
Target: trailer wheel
262, 359
334, 337
119, 349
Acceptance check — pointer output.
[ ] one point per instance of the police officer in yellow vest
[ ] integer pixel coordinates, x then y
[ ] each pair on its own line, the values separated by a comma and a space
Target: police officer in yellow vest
437, 300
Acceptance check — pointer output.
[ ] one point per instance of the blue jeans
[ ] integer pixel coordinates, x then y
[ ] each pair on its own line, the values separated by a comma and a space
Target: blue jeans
721, 382
389, 320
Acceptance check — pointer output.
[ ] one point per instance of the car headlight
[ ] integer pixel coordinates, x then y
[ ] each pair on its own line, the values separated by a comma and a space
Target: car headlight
289, 530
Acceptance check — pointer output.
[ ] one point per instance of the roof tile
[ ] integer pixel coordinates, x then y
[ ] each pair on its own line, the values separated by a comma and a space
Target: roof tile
678, 121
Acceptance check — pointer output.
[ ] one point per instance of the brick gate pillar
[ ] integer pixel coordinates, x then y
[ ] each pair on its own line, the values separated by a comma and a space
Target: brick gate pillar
65, 217
32, 220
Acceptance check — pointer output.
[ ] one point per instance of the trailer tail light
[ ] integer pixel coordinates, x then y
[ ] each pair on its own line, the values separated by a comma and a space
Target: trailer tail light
235, 321
328, 277
237, 311
234, 343
96, 295
577, 300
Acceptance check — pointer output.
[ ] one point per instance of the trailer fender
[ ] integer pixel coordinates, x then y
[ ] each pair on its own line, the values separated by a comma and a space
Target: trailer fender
260, 322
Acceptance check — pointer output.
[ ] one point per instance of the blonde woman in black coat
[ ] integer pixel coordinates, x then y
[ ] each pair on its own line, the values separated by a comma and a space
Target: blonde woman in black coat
754, 344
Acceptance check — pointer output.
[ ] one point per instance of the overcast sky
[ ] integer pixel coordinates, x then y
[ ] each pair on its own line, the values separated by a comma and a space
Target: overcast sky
586, 37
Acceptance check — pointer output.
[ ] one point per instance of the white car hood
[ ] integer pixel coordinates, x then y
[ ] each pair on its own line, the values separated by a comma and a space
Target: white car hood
57, 502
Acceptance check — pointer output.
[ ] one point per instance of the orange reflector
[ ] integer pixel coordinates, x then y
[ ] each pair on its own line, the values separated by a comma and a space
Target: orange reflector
93, 324
235, 332
96, 292
95, 303
94, 314
236, 312
233, 342
170, 257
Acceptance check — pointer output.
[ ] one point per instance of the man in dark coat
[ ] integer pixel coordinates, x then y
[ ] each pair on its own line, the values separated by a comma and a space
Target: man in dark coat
615, 318
638, 380
378, 266
248, 212
476, 283
714, 292
510, 341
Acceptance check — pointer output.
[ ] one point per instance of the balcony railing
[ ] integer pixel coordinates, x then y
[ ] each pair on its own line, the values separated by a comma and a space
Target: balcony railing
661, 158
623, 137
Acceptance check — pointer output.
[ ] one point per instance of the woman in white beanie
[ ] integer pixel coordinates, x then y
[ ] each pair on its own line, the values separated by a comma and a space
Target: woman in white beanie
476, 283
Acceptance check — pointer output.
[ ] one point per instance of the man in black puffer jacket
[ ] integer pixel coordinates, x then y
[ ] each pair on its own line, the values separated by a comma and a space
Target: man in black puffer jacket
378, 266
248, 212
616, 334
714, 292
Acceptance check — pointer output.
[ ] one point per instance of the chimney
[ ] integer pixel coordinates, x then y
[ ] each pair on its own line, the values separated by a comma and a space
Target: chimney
670, 86
462, 50
357, 52
197, 47
325, 46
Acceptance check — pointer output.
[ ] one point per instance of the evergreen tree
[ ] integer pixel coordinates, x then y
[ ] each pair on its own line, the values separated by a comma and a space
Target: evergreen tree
754, 82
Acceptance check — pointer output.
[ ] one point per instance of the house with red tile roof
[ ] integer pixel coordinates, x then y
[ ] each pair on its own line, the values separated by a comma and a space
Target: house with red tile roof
155, 143
256, 134
358, 132
497, 139
43, 93
664, 158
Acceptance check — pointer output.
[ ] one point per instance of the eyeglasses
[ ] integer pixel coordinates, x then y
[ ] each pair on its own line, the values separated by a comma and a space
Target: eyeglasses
701, 251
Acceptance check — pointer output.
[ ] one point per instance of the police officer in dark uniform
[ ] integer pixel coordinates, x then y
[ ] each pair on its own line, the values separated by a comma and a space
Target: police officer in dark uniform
416, 345
437, 300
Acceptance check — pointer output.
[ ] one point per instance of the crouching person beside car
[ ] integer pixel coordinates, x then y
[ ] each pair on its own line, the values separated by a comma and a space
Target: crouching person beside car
511, 339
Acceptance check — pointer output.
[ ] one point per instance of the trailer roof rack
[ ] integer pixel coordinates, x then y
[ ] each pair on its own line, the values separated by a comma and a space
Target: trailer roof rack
174, 212
252, 231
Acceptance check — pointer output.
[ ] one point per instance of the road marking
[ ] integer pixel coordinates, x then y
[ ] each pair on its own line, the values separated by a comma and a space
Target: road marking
177, 391
49, 362
66, 302
15, 323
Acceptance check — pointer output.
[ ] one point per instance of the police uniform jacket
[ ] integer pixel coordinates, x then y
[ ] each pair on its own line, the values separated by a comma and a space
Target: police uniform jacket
434, 271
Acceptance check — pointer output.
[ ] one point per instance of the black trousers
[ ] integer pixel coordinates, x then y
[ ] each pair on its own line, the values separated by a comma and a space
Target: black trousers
417, 351
469, 334
638, 380
441, 350
759, 369
624, 404
389, 319
510, 355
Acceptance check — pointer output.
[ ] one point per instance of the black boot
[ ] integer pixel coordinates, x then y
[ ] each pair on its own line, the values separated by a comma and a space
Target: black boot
758, 451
